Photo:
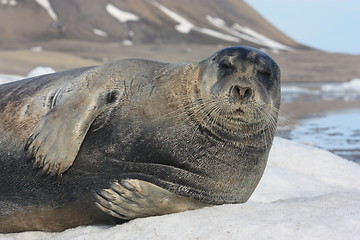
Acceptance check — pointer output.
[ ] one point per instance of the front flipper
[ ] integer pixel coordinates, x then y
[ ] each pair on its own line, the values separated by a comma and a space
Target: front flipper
132, 198
56, 140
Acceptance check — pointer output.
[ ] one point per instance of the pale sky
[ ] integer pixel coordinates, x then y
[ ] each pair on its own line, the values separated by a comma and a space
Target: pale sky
330, 25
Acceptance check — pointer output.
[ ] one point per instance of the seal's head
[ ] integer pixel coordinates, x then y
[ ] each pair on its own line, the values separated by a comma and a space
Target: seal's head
239, 93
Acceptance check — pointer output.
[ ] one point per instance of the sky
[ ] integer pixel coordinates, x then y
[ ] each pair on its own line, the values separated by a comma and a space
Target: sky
330, 25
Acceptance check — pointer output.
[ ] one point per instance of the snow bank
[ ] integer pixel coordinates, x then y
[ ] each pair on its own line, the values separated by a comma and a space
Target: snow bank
305, 193
4, 78
295, 170
120, 15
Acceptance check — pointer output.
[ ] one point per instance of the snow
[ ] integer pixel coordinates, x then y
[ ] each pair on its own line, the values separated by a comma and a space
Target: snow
127, 43
9, 2
217, 34
305, 193
347, 91
296, 90
120, 15
4, 78
261, 38
47, 6
36, 49
100, 32
185, 26
40, 71
236, 32
351, 86
248, 34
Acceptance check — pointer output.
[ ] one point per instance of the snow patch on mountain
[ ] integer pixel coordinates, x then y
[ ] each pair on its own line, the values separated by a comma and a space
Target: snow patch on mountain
9, 2
185, 26
120, 15
99, 32
127, 43
247, 34
47, 6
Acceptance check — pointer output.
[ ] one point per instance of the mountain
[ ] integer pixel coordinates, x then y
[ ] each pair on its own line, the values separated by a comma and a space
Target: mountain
139, 21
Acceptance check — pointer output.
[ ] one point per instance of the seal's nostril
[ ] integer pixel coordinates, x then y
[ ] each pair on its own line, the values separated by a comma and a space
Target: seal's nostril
241, 93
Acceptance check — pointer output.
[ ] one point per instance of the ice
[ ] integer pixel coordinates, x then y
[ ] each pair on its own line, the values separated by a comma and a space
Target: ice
100, 32
347, 91
305, 193
47, 6
120, 15
296, 90
351, 86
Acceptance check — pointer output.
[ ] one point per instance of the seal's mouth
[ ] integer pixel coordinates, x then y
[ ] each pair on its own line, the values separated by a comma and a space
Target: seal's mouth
234, 121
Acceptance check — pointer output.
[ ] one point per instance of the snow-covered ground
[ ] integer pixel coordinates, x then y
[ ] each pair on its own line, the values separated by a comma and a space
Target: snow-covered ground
305, 193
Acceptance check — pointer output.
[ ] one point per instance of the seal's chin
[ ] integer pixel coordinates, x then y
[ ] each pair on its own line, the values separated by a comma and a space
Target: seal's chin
234, 122
246, 113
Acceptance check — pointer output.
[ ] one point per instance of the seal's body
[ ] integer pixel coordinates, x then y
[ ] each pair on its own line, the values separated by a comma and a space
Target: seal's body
135, 138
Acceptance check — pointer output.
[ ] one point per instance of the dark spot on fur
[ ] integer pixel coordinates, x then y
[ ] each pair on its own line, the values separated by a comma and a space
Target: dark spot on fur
111, 97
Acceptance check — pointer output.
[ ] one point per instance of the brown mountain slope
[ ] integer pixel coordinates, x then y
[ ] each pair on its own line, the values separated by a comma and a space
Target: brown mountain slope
141, 21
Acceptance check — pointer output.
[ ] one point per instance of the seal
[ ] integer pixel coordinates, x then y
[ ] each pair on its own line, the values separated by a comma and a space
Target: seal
135, 138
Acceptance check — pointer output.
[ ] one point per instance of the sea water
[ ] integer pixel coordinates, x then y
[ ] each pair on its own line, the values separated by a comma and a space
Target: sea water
338, 132
335, 130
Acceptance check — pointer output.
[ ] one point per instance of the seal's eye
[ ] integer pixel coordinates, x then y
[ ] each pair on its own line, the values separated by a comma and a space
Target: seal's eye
265, 72
226, 65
